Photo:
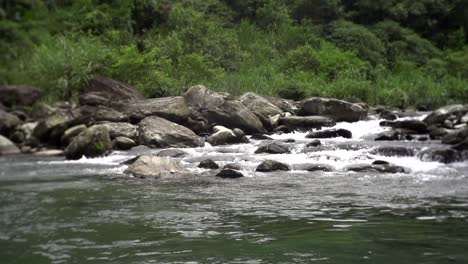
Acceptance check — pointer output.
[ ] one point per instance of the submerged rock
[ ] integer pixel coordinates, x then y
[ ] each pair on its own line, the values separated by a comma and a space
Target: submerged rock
208, 164
93, 142
224, 136
314, 167
229, 174
273, 148
335, 109
382, 168
160, 133
306, 122
330, 133
153, 166
271, 165
313, 143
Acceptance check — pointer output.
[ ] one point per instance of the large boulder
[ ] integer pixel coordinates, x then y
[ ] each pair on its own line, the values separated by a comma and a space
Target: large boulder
306, 122
19, 95
154, 166
122, 129
441, 154
93, 142
440, 115
261, 107
273, 148
7, 147
330, 133
160, 133
221, 109
71, 133
52, 127
272, 165
92, 114
224, 136
105, 91
123, 143
229, 174
285, 105
338, 110
456, 136
8, 122
208, 164
413, 124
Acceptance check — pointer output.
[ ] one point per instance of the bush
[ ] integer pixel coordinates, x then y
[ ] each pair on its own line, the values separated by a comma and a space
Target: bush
303, 58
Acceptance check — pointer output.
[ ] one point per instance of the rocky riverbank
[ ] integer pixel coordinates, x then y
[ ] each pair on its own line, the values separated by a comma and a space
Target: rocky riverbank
112, 116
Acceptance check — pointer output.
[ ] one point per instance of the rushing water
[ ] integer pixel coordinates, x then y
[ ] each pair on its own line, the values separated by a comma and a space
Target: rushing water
88, 211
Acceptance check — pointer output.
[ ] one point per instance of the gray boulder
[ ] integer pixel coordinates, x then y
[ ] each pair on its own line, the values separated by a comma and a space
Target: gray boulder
172, 153
273, 148
105, 91
306, 122
271, 165
208, 164
153, 166
314, 167
123, 143
261, 107
52, 127
93, 142
7, 147
19, 95
285, 105
415, 125
335, 109
122, 129
70, 133
390, 151
381, 168
221, 109
440, 115
440, 154
8, 122
456, 136
224, 136
160, 133
229, 174
330, 133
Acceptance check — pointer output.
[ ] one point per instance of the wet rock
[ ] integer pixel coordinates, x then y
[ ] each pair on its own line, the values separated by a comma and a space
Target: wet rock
225, 136
388, 114
232, 166
284, 104
438, 132
7, 147
123, 143
273, 148
122, 129
380, 162
461, 146
222, 109
260, 137
271, 165
160, 133
282, 129
381, 168
335, 109
440, 115
208, 164
306, 122
313, 143
390, 151
396, 134
456, 136
440, 154
418, 126
262, 108
70, 133
153, 166
464, 119
229, 174
24, 134
314, 167
8, 122
172, 153
106, 91
19, 95
93, 142
330, 133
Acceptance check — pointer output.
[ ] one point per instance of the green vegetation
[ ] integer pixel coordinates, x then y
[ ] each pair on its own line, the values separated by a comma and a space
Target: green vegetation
400, 52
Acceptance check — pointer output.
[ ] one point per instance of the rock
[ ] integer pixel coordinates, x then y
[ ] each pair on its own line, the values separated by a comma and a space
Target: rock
222, 110
24, 134
262, 108
161, 133
172, 153
122, 129
49, 153
229, 174
41, 110
464, 119
273, 148
330, 133
439, 154
52, 127
440, 115
313, 143
123, 143
463, 145
8, 122
232, 167
335, 109
224, 136
390, 151
208, 164
257, 136
382, 168
19, 95
70, 133
388, 114
271, 165
92, 114
104, 91
93, 142
284, 104
153, 166
438, 132
7, 147
314, 167
418, 126
396, 134
306, 122
289, 140
455, 137
282, 129
174, 109
380, 162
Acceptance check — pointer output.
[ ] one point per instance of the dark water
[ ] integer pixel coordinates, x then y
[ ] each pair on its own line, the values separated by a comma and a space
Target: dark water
52, 211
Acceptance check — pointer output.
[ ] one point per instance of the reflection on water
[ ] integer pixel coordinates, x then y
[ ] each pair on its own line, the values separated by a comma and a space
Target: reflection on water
87, 211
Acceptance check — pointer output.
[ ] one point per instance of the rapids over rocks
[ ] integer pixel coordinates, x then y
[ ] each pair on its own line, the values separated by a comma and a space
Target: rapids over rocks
88, 211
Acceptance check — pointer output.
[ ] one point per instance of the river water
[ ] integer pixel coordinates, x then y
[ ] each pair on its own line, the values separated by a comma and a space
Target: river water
88, 211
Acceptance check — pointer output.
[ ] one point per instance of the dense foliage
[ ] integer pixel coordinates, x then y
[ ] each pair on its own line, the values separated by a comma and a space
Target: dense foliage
394, 52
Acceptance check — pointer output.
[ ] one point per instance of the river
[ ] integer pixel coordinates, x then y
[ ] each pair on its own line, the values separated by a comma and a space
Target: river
89, 211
